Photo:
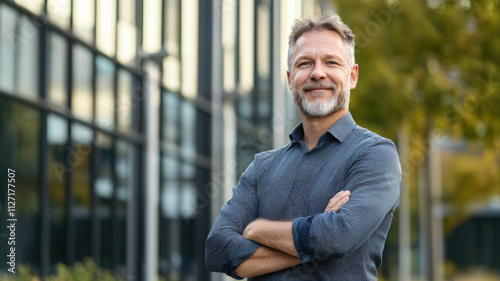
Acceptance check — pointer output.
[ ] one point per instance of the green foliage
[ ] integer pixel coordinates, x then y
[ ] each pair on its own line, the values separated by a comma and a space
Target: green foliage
469, 180
435, 71
474, 274
80, 271
84, 271
436, 68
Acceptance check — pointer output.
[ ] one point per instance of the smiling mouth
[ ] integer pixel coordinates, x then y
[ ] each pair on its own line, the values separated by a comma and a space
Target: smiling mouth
318, 89
318, 92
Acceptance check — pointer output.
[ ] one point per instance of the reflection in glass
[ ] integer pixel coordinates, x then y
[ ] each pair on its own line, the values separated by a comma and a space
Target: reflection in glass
127, 10
104, 178
245, 107
263, 40
177, 211
57, 137
19, 146
246, 59
127, 32
104, 192
246, 44
188, 208
106, 26
105, 101
57, 70
81, 100
18, 51
171, 30
264, 100
83, 19
59, 12
189, 43
126, 42
170, 117
229, 45
171, 73
35, 6
123, 170
27, 53
7, 48
170, 260
152, 26
188, 201
124, 180
169, 187
188, 172
124, 101
79, 162
188, 126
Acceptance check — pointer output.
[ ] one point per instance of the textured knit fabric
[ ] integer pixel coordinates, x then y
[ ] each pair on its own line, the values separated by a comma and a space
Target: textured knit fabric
295, 184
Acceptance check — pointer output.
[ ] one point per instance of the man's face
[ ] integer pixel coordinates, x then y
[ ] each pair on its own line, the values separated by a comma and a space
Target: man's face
320, 77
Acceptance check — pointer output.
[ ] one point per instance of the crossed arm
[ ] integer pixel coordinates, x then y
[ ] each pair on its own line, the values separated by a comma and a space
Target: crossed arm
278, 250
266, 246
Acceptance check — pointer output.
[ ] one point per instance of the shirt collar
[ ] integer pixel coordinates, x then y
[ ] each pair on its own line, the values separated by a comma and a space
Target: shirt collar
296, 134
343, 127
339, 130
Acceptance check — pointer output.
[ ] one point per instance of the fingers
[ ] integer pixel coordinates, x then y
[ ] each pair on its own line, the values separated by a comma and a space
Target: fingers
338, 201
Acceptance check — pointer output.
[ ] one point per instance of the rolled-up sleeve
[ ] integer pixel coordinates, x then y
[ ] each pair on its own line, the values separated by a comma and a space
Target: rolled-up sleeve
225, 247
374, 179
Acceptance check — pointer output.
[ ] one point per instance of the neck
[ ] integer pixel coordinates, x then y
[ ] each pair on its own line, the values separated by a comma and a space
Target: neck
315, 127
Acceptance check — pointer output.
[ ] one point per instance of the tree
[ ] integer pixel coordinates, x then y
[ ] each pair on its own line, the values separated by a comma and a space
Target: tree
432, 67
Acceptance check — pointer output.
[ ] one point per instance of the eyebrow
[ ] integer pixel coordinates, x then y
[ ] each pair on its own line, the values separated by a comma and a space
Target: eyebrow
328, 56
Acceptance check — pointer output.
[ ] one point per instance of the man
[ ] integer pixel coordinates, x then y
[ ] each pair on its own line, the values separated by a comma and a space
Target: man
320, 207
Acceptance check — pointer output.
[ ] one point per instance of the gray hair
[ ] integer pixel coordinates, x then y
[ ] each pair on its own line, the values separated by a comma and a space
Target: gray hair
329, 21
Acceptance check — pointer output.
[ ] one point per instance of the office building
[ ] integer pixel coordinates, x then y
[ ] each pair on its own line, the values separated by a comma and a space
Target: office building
127, 122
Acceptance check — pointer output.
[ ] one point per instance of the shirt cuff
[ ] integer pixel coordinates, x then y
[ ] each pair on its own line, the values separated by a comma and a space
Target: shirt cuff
229, 270
300, 232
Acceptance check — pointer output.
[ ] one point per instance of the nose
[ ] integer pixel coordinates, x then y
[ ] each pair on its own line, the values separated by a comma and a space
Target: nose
318, 72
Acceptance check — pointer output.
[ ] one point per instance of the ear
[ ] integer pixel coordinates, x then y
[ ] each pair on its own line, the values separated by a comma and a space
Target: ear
289, 80
354, 76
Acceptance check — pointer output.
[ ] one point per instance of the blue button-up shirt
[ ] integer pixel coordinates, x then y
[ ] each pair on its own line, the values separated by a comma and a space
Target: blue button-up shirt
295, 184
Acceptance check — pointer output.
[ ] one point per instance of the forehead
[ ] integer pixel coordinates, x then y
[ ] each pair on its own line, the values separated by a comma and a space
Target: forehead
323, 41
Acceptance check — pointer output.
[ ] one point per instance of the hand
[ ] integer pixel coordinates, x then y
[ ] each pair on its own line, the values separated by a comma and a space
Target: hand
250, 229
338, 201
273, 234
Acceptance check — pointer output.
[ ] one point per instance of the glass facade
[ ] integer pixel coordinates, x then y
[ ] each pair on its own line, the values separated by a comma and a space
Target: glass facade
80, 84
20, 127
72, 129
18, 45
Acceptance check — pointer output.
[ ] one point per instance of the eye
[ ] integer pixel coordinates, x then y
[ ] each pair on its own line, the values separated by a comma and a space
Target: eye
332, 63
305, 63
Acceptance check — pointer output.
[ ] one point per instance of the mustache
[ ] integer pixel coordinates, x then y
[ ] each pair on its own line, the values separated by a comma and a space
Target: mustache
315, 85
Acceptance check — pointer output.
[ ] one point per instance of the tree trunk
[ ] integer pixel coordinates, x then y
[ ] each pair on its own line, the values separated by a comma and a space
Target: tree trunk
430, 215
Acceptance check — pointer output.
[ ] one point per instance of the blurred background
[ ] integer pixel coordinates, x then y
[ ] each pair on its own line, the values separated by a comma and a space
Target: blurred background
127, 122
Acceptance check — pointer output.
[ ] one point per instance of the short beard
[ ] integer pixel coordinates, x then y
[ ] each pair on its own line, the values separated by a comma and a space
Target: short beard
319, 108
